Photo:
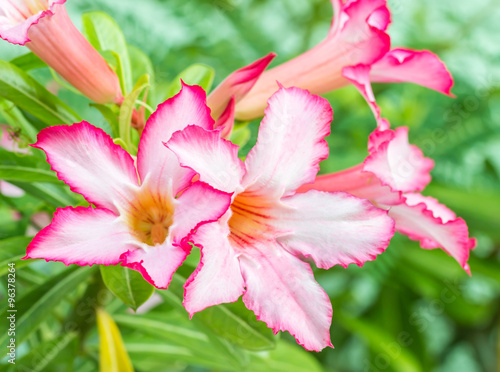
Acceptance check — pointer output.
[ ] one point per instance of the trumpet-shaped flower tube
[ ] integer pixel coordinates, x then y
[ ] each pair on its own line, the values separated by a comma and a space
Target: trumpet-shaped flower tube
391, 177
357, 37
138, 219
258, 247
45, 27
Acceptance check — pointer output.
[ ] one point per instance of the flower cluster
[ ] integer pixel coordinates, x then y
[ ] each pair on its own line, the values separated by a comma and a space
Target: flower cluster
259, 223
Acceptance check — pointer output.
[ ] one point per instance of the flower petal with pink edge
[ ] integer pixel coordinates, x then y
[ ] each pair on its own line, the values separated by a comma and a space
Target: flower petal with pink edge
213, 158
290, 144
237, 85
359, 76
196, 206
86, 158
434, 225
82, 236
400, 165
16, 18
332, 228
225, 122
414, 66
153, 159
218, 278
156, 264
282, 292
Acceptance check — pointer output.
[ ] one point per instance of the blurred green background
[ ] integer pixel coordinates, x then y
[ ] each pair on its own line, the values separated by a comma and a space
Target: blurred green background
411, 309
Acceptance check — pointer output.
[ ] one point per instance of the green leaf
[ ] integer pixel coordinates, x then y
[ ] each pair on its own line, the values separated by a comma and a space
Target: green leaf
176, 331
241, 134
11, 251
127, 109
110, 116
196, 74
233, 322
46, 352
36, 306
28, 61
381, 342
20, 88
105, 35
16, 119
126, 284
113, 356
25, 174
50, 193
285, 358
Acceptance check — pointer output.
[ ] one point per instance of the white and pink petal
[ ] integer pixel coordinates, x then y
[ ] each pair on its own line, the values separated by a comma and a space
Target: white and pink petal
158, 163
290, 144
434, 226
282, 292
86, 158
332, 228
82, 236
213, 158
218, 278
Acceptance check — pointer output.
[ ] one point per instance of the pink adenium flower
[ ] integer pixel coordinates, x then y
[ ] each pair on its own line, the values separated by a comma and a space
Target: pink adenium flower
258, 248
357, 38
222, 99
391, 177
45, 27
144, 213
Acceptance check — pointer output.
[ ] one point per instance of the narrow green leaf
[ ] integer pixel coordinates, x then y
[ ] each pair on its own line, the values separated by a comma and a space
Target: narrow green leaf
241, 134
105, 35
126, 284
50, 193
127, 109
14, 117
113, 356
233, 322
11, 251
25, 174
34, 307
20, 88
28, 61
40, 357
110, 116
285, 357
196, 74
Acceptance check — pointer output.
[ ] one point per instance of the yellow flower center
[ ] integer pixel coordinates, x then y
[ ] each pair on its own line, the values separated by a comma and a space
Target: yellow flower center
150, 217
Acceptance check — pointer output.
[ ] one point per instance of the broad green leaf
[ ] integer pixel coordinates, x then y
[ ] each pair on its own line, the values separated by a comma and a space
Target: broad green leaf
196, 74
104, 34
36, 306
11, 251
126, 284
141, 64
28, 61
127, 109
113, 356
40, 357
20, 88
25, 174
